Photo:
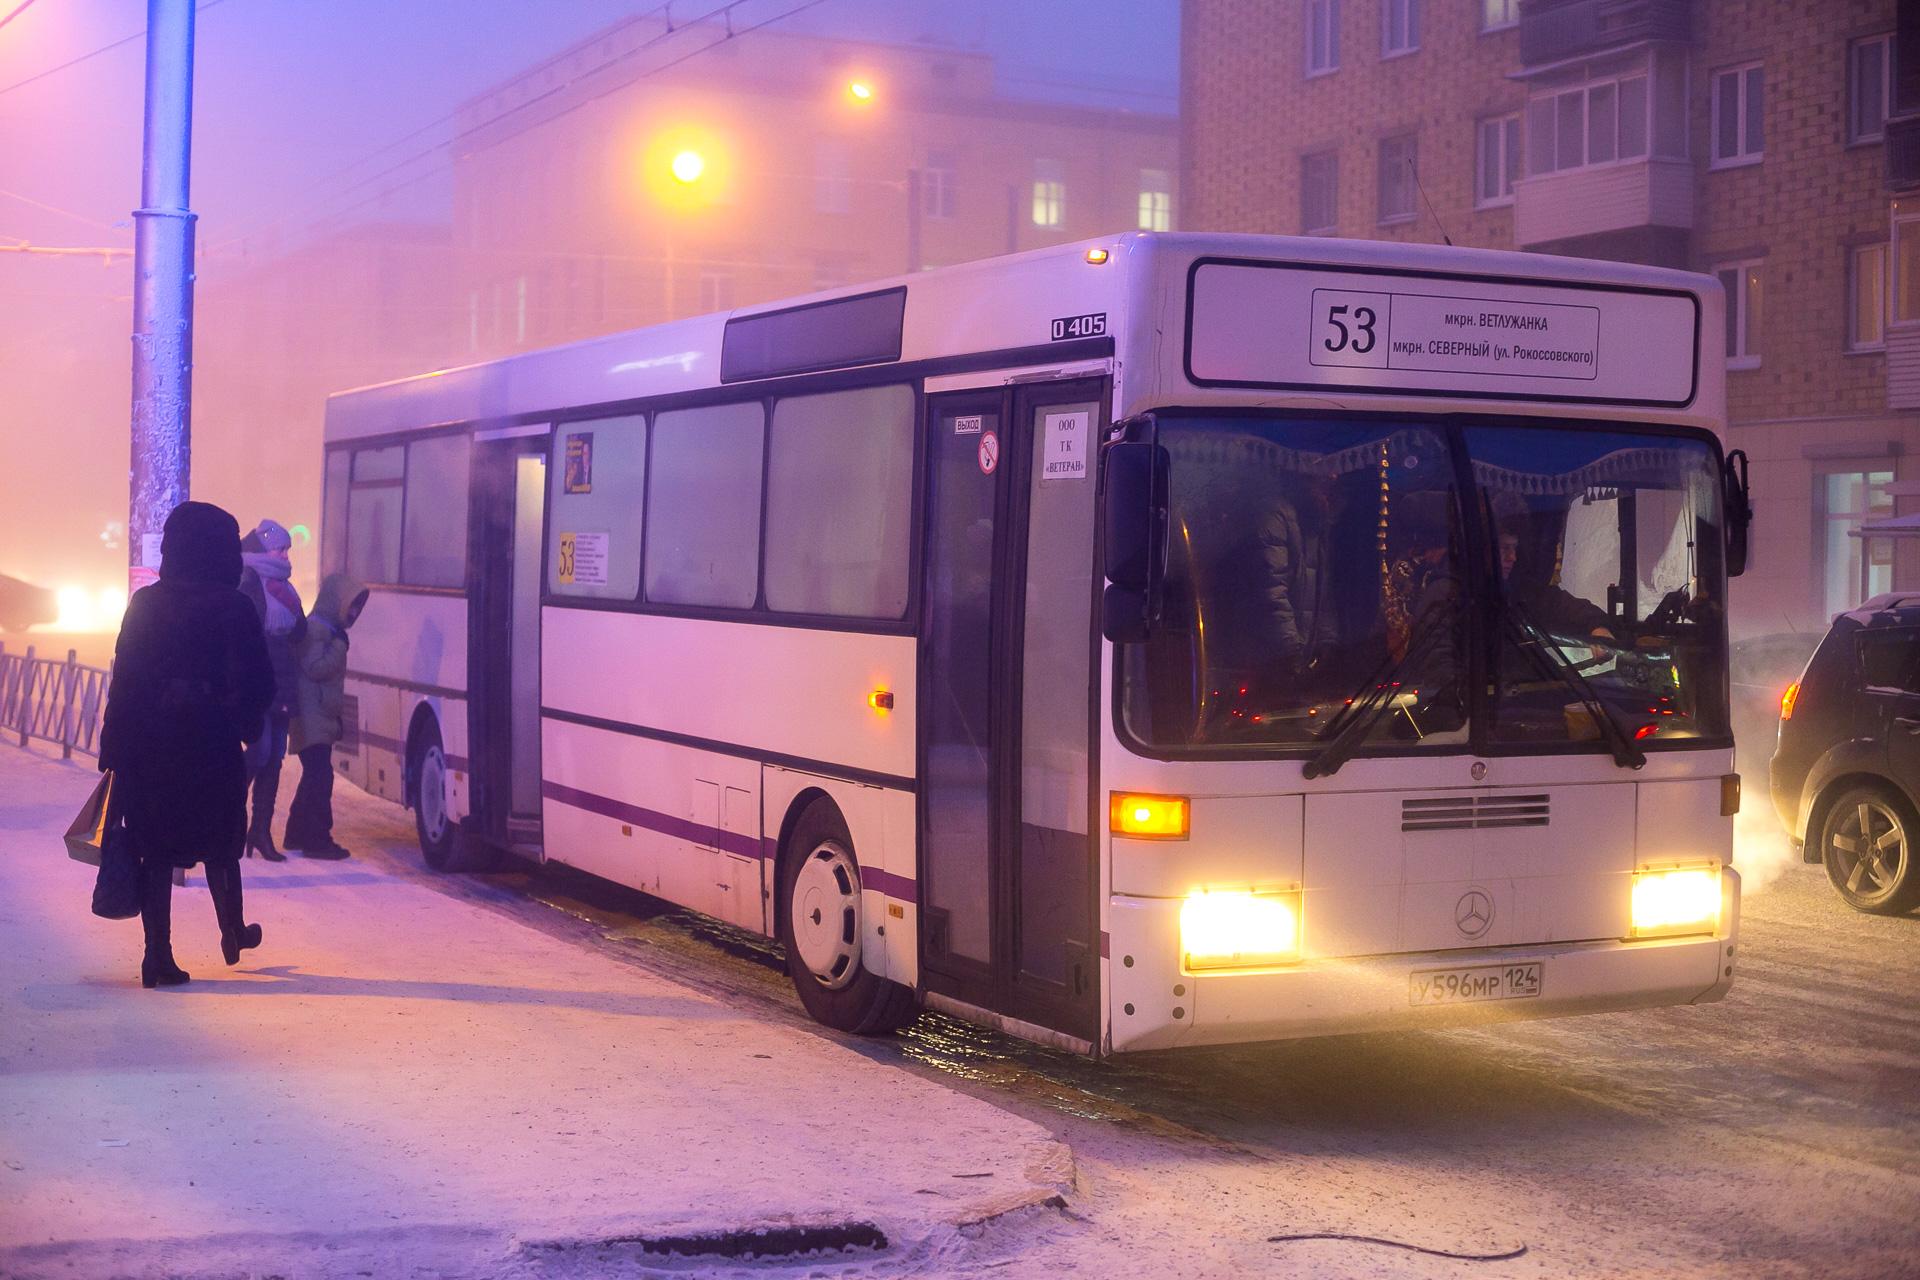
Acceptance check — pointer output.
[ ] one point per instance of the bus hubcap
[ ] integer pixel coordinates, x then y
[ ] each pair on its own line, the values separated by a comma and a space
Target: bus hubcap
1871, 845
433, 793
826, 915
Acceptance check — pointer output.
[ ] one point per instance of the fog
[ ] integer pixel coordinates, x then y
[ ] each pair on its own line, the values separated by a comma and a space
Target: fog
379, 193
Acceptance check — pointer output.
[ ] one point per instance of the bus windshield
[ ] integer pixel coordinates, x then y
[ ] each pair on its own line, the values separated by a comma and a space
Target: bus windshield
1342, 578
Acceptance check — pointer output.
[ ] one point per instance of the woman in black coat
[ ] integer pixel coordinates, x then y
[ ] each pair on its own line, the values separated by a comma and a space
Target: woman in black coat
191, 684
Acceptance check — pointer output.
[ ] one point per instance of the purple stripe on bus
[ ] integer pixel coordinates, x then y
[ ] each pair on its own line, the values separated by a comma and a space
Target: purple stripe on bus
898, 887
653, 820
886, 882
457, 763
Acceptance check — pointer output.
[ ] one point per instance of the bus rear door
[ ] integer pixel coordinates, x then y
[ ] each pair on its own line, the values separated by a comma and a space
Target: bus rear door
503, 640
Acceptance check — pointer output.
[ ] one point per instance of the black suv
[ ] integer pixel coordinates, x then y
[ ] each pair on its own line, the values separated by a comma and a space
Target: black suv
1846, 773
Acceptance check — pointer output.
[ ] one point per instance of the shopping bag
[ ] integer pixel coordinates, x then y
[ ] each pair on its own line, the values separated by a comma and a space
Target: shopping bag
88, 829
116, 890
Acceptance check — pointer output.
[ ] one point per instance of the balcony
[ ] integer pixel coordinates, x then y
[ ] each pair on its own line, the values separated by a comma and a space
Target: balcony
1553, 31
1605, 198
1903, 153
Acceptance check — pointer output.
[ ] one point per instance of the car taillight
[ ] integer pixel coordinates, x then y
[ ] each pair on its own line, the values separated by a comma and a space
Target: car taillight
1787, 699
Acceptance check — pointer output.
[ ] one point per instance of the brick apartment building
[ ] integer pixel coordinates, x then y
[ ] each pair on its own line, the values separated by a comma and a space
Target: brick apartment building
614, 186
1745, 138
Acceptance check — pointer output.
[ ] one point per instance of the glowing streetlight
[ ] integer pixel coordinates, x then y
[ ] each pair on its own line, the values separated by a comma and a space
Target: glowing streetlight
688, 166
860, 91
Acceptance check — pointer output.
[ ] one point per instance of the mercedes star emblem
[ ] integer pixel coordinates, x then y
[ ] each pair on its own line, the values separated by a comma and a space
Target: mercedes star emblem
1473, 913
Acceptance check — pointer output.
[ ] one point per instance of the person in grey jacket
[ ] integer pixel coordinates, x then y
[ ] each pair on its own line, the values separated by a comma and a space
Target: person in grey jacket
317, 722
265, 579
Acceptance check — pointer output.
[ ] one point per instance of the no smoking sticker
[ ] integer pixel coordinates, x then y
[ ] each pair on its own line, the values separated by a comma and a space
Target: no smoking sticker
989, 453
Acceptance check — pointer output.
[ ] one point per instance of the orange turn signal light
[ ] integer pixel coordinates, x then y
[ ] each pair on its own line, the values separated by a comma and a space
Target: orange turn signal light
881, 699
1098, 257
1148, 817
1787, 699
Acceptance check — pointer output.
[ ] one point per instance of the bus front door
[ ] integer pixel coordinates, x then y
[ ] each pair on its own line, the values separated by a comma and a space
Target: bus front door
503, 634
1008, 865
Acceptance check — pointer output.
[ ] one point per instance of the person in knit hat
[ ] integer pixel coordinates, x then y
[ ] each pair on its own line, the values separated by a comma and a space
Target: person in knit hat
266, 580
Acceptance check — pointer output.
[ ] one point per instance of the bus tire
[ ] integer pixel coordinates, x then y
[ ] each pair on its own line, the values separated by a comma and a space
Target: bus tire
441, 844
1869, 838
819, 904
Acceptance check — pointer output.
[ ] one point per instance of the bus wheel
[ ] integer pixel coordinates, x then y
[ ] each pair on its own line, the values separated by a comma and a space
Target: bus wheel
440, 842
1868, 841
819, 924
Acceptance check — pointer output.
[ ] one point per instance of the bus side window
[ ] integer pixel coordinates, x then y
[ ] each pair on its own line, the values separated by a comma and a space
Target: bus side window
597, 488
839, 503
703, 506
373, 514
333, 515
433, 550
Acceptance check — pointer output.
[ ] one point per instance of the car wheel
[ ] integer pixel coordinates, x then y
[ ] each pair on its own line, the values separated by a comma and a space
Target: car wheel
819, 908
1867, 842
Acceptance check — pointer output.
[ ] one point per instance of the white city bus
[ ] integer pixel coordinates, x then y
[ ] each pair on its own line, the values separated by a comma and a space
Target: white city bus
1162, 640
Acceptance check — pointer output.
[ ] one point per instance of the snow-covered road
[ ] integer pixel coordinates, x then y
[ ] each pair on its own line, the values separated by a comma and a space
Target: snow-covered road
442, 1071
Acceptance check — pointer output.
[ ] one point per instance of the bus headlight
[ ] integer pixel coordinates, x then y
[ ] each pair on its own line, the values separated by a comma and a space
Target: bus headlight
1239, 930
1682, 900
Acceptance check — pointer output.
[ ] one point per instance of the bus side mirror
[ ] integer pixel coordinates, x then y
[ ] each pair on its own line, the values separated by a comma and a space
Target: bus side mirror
1739, 510
1134, 526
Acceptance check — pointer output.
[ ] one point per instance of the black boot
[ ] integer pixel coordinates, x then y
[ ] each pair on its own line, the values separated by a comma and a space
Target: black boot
157, 968
223, 883
266, 790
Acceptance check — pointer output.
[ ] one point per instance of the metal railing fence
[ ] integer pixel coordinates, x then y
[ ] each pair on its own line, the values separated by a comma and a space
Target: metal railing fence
51, 700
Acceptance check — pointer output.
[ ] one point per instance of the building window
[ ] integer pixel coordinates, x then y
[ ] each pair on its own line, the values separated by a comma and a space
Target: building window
1906, 270
1049, 193
1606, 121
936, 185
1496, 161
832, 176
1397, 158
1497, 15
1741, 280
1738, 137
1867, 298
1399, 27
1156, 200
1853, 568
1319, 193
1868, 84
1323, 36
716, 291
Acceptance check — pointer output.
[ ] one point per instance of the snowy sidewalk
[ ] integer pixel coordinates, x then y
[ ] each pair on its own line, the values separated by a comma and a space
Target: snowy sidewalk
399, 1082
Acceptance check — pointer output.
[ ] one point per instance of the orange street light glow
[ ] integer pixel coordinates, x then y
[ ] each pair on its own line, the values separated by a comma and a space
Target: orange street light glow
860, 91
688, 166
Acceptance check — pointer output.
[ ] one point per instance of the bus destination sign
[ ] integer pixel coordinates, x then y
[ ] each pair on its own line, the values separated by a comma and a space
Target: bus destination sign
1423, 331
1278, 326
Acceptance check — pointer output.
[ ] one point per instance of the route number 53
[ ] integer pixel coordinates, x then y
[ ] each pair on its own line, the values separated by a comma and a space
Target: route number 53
1350, 327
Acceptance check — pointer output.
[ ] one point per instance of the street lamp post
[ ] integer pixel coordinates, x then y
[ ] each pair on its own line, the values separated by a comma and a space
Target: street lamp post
162, 291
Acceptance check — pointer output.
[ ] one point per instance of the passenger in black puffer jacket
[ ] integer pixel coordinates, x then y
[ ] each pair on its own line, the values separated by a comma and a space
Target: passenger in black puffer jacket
191, 685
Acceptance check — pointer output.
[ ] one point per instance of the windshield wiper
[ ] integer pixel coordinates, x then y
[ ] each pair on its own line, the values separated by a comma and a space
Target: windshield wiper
1552, 663
1356, 720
